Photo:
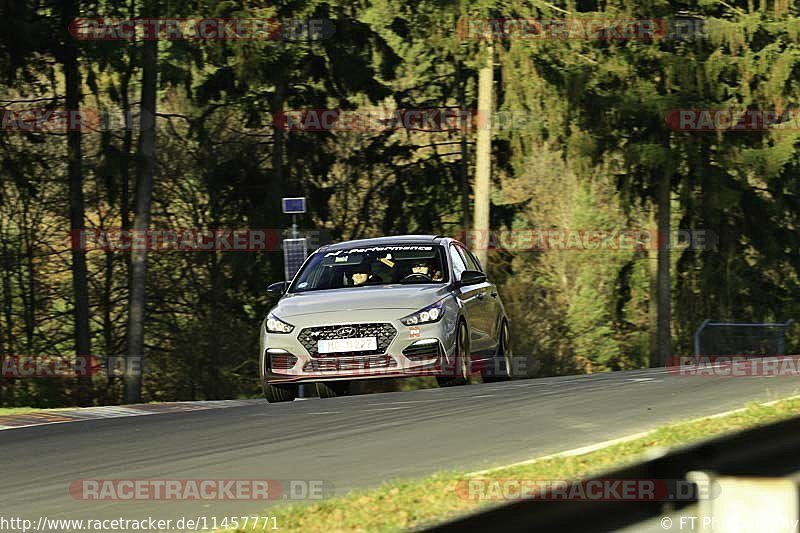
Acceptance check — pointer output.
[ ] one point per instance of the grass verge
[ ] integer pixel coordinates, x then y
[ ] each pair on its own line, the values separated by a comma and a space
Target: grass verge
25, 410
399, 505
20, 410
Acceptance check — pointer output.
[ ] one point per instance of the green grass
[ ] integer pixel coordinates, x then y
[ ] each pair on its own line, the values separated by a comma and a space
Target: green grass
399, 505
25, 410
20, 410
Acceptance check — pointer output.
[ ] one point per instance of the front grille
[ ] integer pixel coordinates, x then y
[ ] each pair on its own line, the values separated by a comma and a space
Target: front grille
280, 361
383, 332
417, 352
360, 363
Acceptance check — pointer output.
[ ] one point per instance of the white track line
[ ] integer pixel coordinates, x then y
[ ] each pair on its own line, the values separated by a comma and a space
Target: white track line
583, 450
405, 401
568, 453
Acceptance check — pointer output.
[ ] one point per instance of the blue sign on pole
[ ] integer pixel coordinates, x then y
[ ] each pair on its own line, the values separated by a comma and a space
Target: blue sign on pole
294, 205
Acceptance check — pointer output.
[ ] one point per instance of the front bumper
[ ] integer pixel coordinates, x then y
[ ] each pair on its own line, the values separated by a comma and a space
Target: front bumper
424, 350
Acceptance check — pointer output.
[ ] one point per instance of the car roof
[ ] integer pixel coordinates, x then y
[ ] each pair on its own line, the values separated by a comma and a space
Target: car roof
387, 241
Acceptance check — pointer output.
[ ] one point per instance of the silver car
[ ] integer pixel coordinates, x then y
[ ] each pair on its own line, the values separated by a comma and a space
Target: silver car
391, 307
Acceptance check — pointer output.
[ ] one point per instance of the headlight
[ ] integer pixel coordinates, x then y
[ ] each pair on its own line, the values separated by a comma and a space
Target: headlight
429, 314
276, 325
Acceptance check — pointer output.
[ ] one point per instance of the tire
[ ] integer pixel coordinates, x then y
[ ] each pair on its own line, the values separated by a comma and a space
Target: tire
462, 363
332, 389
503, 357
280, 393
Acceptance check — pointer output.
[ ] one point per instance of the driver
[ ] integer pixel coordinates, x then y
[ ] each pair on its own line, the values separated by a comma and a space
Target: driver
362, 274
425, 269
421, 267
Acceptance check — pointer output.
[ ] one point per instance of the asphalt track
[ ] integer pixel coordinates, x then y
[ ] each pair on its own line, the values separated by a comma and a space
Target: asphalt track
350, 442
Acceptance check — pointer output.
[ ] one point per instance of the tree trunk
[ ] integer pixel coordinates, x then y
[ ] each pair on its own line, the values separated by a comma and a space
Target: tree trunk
8, 303
483, 156
125, 194
144, 192
80, 284
652, 303
127, 144
214, 383
664, 297
464, 145
3, 334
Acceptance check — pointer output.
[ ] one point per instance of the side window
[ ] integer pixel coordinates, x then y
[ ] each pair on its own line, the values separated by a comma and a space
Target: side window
469, 260
459, 265
477, 262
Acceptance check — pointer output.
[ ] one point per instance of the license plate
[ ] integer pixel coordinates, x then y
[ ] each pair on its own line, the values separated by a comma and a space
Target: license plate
347, 345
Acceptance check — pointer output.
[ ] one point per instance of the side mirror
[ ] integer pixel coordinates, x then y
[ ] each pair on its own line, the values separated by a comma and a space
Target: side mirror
277, 289
472, 277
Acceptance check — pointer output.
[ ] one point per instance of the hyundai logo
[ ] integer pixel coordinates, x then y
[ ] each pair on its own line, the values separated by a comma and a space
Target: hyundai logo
346, 332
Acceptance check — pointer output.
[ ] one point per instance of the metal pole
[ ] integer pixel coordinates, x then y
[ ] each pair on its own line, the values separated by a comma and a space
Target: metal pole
301, 393
783, 335
697, 340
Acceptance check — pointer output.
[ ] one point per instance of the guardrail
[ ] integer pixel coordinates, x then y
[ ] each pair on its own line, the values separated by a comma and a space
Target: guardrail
780, 327
770, 451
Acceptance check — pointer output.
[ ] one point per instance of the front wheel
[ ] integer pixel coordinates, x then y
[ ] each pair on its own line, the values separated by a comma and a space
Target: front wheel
500, 367
459, 374
280, 393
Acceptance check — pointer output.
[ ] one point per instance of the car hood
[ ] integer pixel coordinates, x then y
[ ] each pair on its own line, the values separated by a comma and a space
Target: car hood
408, 297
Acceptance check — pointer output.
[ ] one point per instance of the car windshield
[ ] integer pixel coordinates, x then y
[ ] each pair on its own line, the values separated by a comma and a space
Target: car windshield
373, 265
